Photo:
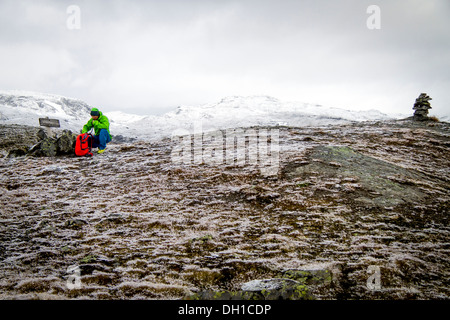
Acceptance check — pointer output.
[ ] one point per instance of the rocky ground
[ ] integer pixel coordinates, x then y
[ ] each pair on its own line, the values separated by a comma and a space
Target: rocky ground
346, 203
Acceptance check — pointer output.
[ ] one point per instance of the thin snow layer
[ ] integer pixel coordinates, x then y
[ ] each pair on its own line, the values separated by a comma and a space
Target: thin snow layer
133, 224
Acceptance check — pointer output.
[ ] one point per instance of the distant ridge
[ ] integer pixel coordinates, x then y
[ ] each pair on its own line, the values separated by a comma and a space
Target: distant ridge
21, 107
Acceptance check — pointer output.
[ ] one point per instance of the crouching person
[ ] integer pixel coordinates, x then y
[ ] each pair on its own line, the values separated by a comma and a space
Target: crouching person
100, 123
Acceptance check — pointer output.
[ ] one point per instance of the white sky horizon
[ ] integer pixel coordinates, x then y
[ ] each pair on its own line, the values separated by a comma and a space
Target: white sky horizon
150, 57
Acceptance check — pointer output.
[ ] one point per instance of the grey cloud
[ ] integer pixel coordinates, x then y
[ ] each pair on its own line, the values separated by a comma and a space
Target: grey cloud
154, 55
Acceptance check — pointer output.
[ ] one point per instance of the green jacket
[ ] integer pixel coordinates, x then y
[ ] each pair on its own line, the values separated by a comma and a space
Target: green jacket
101, 123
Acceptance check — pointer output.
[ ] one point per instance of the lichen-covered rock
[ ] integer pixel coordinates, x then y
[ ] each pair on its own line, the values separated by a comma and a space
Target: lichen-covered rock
266, 289
374, 182
47, 148
24, 140
65, 143
62, 144
309, 276
277, 289
16, 140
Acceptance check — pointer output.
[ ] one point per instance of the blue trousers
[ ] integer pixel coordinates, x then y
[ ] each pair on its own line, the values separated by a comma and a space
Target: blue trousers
101, 140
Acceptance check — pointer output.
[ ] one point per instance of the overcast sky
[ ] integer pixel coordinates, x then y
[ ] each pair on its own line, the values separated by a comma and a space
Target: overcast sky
148, 57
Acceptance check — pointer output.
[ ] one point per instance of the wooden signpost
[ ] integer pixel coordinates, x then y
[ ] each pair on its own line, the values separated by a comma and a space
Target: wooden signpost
49, 124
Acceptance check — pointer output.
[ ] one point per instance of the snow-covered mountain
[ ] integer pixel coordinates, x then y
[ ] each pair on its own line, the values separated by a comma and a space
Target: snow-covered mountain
235, 111
18, 107
263, 110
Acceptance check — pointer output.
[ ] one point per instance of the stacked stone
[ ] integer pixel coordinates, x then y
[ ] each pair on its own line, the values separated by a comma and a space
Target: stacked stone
421, 107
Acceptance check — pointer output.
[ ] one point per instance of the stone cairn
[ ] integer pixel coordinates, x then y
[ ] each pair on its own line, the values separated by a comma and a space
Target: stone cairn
421, 107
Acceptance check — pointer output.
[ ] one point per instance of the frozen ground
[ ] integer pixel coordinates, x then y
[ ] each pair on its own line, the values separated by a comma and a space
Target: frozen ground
135, 224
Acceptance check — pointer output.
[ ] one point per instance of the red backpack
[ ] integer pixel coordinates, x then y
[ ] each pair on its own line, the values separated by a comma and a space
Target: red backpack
83, 145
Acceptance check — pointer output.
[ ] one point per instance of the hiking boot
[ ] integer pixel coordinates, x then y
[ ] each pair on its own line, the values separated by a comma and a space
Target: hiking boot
101, 151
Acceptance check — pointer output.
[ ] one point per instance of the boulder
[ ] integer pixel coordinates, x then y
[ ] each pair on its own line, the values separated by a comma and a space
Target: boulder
266, 289
277, 289
62, 144
19, 140
65, 143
